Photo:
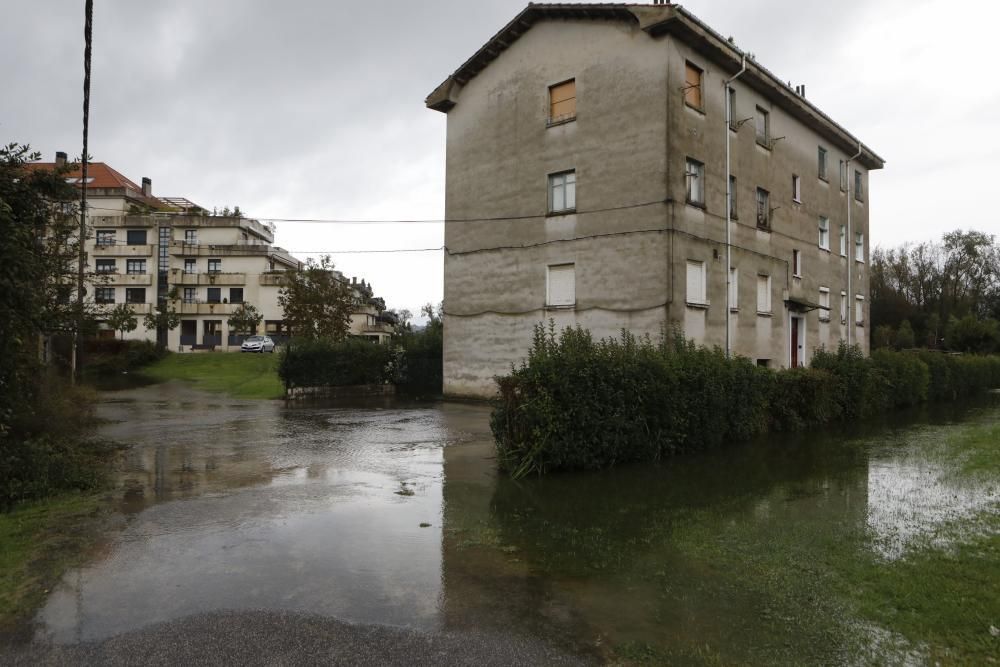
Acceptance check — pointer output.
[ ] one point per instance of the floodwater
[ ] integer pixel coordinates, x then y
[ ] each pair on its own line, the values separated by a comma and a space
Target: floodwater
392, 513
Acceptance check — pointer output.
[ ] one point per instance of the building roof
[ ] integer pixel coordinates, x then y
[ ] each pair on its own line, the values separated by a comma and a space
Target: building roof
658, 20
102, 176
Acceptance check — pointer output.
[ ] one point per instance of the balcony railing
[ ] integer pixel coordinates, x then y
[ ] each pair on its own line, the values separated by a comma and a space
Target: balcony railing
211, 278
198, 307
121, 250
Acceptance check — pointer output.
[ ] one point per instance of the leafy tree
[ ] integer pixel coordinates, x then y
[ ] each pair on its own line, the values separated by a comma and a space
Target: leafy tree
972, 335
317, 301
164, 317
883, 336
245, 319
905, 338
121, 318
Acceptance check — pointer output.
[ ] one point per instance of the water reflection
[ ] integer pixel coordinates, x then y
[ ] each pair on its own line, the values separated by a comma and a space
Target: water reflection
393, 513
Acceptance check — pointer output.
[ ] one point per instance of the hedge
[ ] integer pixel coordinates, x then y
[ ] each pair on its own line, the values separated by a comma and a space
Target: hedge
577, 403
320, 363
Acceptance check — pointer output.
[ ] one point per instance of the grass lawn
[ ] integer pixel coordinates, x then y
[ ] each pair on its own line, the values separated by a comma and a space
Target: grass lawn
240, 375
38, 542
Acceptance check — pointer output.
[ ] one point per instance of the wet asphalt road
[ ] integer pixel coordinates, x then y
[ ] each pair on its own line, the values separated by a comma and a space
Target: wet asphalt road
270, 638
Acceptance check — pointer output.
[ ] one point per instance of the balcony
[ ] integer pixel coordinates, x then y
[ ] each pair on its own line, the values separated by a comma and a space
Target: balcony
190, 279
377, 328
239, 248
141, 308
201, 308
116, 250
125, 279
276, 279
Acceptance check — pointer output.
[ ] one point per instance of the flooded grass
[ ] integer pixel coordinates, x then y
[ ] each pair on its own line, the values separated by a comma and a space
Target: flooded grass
38, 542
237, 374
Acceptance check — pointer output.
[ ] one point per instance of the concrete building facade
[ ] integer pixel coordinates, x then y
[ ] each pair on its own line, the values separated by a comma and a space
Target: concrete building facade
588, 186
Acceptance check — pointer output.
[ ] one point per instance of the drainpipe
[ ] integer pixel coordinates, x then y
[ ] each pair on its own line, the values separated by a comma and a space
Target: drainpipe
729, 208
851, 303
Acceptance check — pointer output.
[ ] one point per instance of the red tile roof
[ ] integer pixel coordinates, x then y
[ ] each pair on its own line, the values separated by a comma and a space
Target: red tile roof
100, 175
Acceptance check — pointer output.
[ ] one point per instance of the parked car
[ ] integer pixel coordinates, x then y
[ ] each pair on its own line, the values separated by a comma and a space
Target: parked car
260, 344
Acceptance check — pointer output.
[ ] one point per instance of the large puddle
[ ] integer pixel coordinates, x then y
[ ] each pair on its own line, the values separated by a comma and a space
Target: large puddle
392, 513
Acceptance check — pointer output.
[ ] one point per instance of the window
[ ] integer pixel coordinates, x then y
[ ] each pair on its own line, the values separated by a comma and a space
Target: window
235, 295
762, 121
843, 307
696, 284
692, 86
843, 241
859, 186
562, 101
843, 176
824, 304
135, 295
214, 295
215, 266
695, 176
796, 189
135, 267
731, 108
763, 363
734, 288
105, 237
822, 163
190, 295
859, 246
797, 263
764, 295
190, 265
732, 198
135, 237
561, 285
106, 266
824, 232
562, 193
104, 295
763, 208
190, 236
859, 310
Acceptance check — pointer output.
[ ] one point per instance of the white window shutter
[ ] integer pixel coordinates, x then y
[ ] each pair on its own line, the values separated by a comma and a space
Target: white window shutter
562, 285
696, 282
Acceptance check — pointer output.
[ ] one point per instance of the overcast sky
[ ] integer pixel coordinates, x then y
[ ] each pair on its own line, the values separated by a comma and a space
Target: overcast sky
315, 109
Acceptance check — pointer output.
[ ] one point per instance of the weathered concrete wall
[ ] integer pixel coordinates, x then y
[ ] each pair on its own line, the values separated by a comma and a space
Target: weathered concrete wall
628, 146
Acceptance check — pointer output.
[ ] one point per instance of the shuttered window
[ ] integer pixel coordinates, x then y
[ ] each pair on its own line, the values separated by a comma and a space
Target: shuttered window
763, 294
696, 283
561, 285
843, 307
734, 288
859, 246
562, 101
859, 310
824, 304
692, 86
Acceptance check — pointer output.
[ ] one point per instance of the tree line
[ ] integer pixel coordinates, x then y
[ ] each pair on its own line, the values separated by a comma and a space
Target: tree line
939, 294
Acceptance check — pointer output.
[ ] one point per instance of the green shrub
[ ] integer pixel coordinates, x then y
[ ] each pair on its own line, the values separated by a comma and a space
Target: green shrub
320, 363
420, 367
112, 356
577, 403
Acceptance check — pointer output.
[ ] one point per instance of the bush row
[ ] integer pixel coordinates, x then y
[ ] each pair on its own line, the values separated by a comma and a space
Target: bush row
413, 364
577, 403
112, 357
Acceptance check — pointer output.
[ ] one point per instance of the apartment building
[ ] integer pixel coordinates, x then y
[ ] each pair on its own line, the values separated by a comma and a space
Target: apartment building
144, 249
589, 186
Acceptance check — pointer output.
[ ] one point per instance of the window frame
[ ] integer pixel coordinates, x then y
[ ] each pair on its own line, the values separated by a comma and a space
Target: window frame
859, 310
843, 176
796, 189
843, 307
552, 181
189, 262
843, 240
767, 294
766, 223
548, 285
822, 164
824, 309
215, 265
823, 225
213, 295
105, 237
796, 263
190, 295
190, 236
734, 289
101, 295
698, 89
859, 247
765, 140
859, 186
733, 199
554, 119
700, 300
129, 291
113, 263
241, 294
130, 232
140, 263
693, 178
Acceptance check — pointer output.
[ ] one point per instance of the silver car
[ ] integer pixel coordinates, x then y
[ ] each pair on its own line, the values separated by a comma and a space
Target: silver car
260, 344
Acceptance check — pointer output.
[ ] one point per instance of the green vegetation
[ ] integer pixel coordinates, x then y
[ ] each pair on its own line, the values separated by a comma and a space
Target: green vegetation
113, 357
238, 374
324, 363
578, 403
38, 541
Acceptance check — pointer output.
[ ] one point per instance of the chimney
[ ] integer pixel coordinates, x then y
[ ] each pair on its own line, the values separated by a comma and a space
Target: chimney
147, 186
354, 280
60, 159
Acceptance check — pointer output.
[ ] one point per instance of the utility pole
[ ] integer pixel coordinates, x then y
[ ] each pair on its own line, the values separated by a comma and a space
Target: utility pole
88, 30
